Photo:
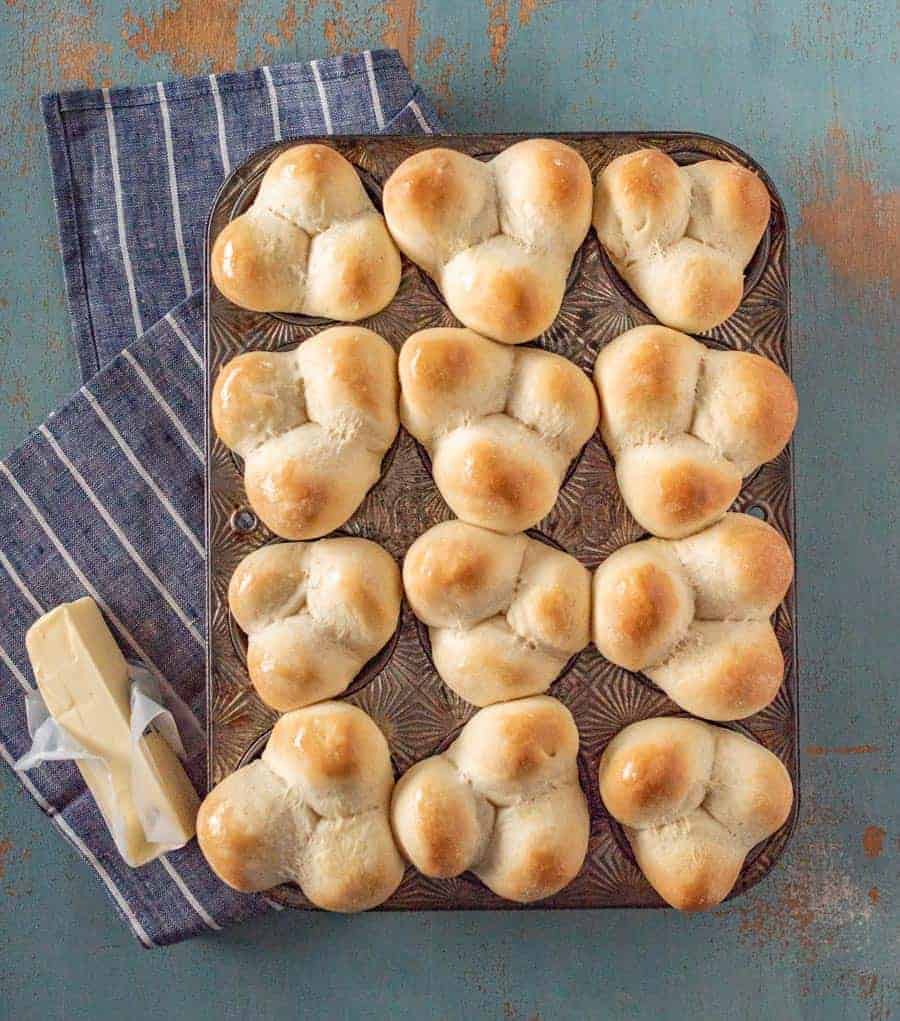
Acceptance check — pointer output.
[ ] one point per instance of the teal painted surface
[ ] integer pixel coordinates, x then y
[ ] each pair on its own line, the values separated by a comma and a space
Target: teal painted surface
810, 90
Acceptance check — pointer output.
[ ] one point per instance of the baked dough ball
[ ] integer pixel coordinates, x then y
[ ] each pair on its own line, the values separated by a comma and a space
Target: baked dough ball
693, 615
686, 423
501, 424
312, 242
505, 613
497, 238
681, 236
312, 811
312, 426
503, 801
315, 614
693, 800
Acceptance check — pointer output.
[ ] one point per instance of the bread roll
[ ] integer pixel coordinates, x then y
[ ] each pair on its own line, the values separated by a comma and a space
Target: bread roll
685, 424
312, 242
681, 236
503, 801
505, 613
315, 614
501, 425
312, 811
693, 615
693, 800
312, 426
498, 238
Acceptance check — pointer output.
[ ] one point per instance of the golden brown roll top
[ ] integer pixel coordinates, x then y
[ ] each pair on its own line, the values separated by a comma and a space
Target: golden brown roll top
315, 614
681, 236
505, 613
312, 426
694, 800
501, 424
313, 810
498, 238
312, 242
685, 424
693, 615
503, 801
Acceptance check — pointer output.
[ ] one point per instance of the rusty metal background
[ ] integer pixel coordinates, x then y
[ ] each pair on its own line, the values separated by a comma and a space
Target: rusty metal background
400, 688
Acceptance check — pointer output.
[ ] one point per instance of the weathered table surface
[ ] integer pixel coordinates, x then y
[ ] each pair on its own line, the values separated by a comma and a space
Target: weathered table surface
811, 90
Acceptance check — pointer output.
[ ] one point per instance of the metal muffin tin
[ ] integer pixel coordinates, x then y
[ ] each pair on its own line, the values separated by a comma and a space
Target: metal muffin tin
400, 688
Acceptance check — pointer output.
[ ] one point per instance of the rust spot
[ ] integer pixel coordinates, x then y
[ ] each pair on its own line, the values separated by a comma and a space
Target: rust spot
814, 904
5, 848
874, 895
498, 33
859, 749
846, 216
873, 841
402, 30
189, 34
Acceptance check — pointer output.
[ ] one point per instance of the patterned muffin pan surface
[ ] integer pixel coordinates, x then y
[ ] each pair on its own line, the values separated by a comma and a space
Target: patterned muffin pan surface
399, 688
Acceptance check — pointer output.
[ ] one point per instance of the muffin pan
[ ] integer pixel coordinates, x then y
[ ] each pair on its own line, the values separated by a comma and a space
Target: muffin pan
400, 688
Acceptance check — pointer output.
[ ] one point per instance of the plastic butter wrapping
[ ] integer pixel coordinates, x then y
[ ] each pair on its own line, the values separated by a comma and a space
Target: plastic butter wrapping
108, 716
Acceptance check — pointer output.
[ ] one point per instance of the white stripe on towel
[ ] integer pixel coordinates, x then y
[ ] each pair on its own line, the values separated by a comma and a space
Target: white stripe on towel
80, 575
220, 117
373, 88
323, 99
120, 213
120, 535
173, 189
420, 117
15, 671
163, 403
273, 103
142, 471
20, 585
182, 336
188, 895
78, 843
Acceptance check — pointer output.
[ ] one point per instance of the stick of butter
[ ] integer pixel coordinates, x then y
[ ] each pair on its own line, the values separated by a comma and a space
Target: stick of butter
83, 679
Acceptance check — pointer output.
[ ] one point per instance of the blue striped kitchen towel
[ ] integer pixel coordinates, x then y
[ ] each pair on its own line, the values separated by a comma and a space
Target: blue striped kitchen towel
106, 498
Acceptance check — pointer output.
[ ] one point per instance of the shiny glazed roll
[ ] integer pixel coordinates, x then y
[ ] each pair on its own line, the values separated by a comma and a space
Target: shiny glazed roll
312, 242
312, 811
503, 801
501, 424
686, 424
681, 236
693, 615
312, 426
505, 613
497, 238
315, 614
693, 800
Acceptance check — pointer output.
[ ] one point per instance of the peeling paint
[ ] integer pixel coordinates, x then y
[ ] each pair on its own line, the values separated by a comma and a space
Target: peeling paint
498, 33
402, 31
441, 67
873, 841
192, 40
5, 848
286, 25
874, 895
859, 749
528, 8
847, 217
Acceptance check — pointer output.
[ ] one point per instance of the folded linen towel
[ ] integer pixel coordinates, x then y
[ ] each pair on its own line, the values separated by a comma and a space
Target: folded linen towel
106, 497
